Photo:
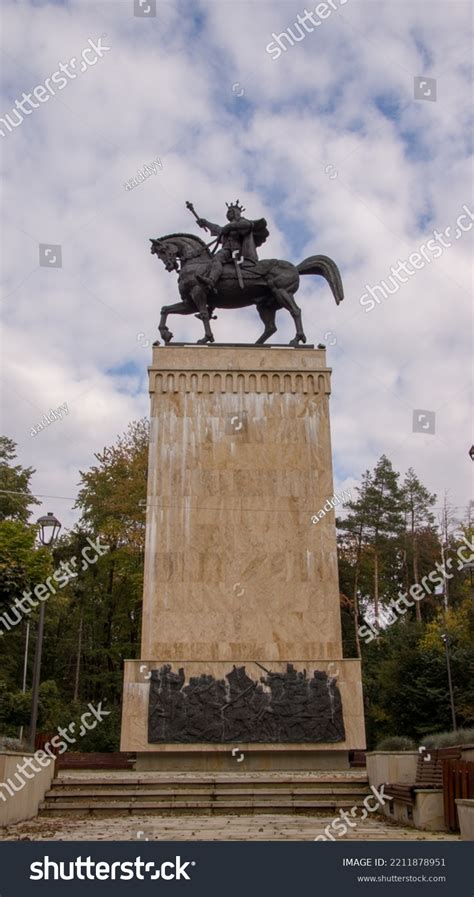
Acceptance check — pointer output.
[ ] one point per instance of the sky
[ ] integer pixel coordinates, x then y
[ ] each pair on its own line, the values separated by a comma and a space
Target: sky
353, 141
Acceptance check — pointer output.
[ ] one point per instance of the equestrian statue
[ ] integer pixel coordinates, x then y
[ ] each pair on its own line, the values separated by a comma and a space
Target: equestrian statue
227, 273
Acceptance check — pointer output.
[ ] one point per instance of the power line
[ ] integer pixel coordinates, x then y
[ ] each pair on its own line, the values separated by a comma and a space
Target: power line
151, 503
38, 495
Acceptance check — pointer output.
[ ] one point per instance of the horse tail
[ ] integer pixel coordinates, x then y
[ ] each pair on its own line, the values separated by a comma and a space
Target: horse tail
325, 267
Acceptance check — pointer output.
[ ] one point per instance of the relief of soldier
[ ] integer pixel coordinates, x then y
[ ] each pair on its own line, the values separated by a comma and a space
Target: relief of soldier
288, 707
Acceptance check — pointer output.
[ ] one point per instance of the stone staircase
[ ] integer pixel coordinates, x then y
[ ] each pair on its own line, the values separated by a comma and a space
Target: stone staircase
123, 793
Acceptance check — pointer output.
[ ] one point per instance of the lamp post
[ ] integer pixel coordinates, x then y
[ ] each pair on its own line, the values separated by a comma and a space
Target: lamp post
441, 590
445, 638
49, 527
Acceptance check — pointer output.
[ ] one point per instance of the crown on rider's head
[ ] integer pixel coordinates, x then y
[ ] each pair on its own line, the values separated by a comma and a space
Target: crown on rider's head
235, 205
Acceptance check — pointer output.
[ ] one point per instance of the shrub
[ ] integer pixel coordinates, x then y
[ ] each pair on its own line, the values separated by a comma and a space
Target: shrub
15, 709
12, 744
105, 737
396, 743
449, 739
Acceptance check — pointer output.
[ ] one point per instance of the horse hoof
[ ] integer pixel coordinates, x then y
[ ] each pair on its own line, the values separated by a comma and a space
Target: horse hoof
297, 340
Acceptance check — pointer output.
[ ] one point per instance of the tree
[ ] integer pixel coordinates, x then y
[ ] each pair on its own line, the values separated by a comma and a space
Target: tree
352, 544
93, 622
372, 530
112, 498
15, 492
416, 503
22, 567
384, 517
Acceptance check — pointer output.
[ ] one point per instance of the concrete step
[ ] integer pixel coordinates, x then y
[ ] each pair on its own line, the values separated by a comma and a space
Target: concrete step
93, 789
179, 779
180, 797
200, 793
187, 806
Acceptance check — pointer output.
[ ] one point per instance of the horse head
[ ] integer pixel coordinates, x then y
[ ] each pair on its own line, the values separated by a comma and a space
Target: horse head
175, 248
167, 252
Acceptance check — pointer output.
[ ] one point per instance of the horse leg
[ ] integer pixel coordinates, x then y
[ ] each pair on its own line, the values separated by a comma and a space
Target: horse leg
267, 315
287, 300
179, 308
199, 297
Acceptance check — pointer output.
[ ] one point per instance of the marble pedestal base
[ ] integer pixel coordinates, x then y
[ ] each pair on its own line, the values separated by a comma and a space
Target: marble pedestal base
241, 565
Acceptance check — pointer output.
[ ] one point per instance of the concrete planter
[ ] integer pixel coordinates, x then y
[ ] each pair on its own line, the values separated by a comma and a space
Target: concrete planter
21, 796
467, 752
465, 810
391, 766
426, 814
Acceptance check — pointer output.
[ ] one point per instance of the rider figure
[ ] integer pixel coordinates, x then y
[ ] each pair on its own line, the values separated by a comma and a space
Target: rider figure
238, 240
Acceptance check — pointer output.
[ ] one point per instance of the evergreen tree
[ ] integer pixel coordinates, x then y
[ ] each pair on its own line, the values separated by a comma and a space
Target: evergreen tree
417, 503
15, 492
373, 525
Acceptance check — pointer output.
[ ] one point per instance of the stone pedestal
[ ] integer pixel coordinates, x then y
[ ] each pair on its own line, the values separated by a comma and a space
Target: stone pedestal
241, 587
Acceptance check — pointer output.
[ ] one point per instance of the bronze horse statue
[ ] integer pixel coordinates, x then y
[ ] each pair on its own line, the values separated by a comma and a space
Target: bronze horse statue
269, 284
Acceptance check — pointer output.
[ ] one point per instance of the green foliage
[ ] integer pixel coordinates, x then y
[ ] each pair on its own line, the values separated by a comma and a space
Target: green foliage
93, 623
22, 565
417, 501
106, 735
396, 743
15, 709
15, 494
387, 543
52, 707
406, 685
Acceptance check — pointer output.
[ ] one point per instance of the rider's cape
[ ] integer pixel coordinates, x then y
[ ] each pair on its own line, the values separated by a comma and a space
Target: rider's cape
255, 238
260, 231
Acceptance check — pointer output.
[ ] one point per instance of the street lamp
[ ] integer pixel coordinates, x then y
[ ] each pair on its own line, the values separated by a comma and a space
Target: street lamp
49, 527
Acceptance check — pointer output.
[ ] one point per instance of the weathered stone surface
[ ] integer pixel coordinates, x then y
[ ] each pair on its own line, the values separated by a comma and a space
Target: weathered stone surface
283, 707
236, 570
240, 461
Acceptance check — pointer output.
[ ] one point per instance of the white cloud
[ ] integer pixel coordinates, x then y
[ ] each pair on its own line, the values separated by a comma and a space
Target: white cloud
343, 98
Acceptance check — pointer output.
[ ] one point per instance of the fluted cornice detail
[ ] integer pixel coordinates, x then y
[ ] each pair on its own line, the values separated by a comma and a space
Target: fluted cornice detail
266, 382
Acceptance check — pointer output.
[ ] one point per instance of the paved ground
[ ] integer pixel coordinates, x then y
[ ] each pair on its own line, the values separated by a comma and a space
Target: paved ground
206, 828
